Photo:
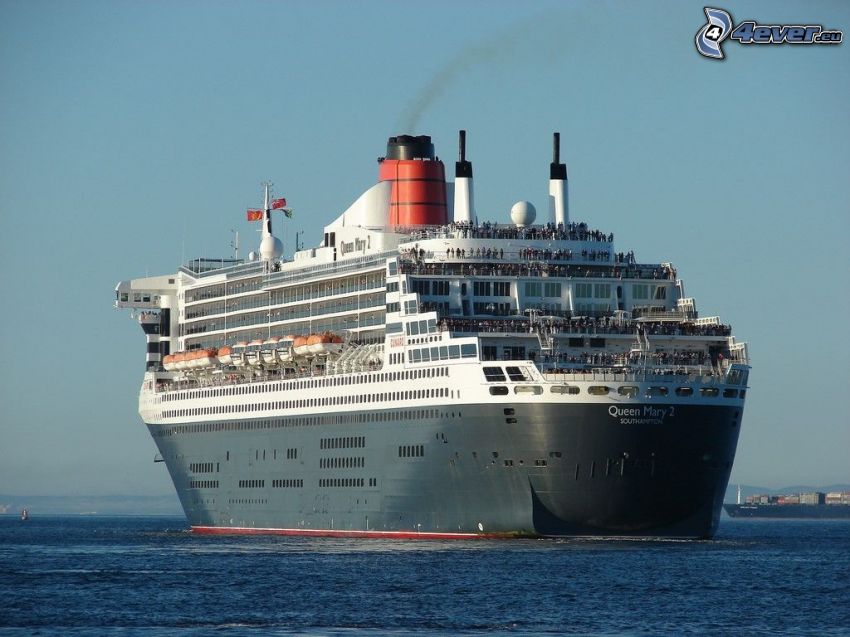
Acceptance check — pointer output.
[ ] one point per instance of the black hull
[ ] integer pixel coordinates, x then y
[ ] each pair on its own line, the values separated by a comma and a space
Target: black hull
470, 470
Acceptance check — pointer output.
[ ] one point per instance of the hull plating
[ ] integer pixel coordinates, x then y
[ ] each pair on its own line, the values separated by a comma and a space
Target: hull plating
458, 472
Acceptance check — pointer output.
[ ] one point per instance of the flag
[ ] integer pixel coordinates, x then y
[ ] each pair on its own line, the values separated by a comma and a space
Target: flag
288, 212
278, 203
255, 215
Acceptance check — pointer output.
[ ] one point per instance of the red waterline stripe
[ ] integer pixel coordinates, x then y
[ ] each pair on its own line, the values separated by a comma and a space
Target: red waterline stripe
399, 535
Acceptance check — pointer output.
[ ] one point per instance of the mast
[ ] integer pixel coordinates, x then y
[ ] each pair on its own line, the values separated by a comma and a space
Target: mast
267, 212
271, 247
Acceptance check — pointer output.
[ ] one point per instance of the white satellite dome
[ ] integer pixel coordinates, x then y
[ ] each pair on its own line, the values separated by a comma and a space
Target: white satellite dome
270, 248
523, 213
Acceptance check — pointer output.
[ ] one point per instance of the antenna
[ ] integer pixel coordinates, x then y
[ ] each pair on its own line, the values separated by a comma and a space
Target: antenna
235, 243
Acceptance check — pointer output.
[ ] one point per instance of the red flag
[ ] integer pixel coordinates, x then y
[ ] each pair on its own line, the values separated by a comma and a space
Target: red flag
255, 215
278, 203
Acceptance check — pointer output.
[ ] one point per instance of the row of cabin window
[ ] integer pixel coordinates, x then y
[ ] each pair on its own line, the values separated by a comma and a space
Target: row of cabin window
625, 390
441, 353
342, 482
286, 483
308, 316
327, 401
291, 295
496, 374
160, 431
266, 314
341, 285
354, 462
346, 442
203, 484
316, 383
411, 451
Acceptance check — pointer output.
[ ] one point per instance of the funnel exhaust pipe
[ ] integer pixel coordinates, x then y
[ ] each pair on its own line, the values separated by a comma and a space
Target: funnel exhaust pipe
558, 186
556, 148
464, 203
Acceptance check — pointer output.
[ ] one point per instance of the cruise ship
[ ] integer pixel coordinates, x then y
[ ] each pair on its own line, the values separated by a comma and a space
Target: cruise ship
421, 373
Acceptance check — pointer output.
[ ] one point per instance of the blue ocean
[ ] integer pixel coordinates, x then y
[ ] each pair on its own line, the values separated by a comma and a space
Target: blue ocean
149, 576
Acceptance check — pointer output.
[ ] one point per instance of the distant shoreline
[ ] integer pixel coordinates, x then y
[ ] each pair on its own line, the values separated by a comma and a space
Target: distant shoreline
139, 505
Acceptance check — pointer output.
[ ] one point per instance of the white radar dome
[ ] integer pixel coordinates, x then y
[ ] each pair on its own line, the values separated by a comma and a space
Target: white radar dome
270, 248
523, 213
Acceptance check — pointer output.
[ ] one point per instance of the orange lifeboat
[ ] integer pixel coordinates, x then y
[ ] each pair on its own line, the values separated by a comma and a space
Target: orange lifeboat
189, 359
324, 344
224, 355
168, 362
203, 358
300, 347
179, 361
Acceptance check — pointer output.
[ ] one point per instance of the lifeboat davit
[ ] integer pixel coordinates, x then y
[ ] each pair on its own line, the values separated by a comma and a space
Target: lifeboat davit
269, 351
224, 355
237, 354
284, 348
300, 347
252, 354
324, 344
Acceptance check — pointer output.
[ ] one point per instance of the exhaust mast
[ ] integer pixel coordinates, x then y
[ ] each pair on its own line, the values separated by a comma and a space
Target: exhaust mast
464, 203
559, 211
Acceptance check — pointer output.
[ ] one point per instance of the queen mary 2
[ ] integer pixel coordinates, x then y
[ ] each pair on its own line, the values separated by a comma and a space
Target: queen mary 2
424, 374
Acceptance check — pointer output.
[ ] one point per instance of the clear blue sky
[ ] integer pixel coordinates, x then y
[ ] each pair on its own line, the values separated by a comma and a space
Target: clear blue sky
133, 134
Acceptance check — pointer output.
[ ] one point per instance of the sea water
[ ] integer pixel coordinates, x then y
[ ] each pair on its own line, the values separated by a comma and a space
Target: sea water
150, 576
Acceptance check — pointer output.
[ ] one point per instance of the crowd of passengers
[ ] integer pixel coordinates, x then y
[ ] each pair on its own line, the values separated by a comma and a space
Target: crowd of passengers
582, 325
523, 254
487, 230
660, 359
532, 268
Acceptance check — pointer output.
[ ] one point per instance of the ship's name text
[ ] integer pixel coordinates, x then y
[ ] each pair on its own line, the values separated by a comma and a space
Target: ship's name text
646, 415
358, 245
